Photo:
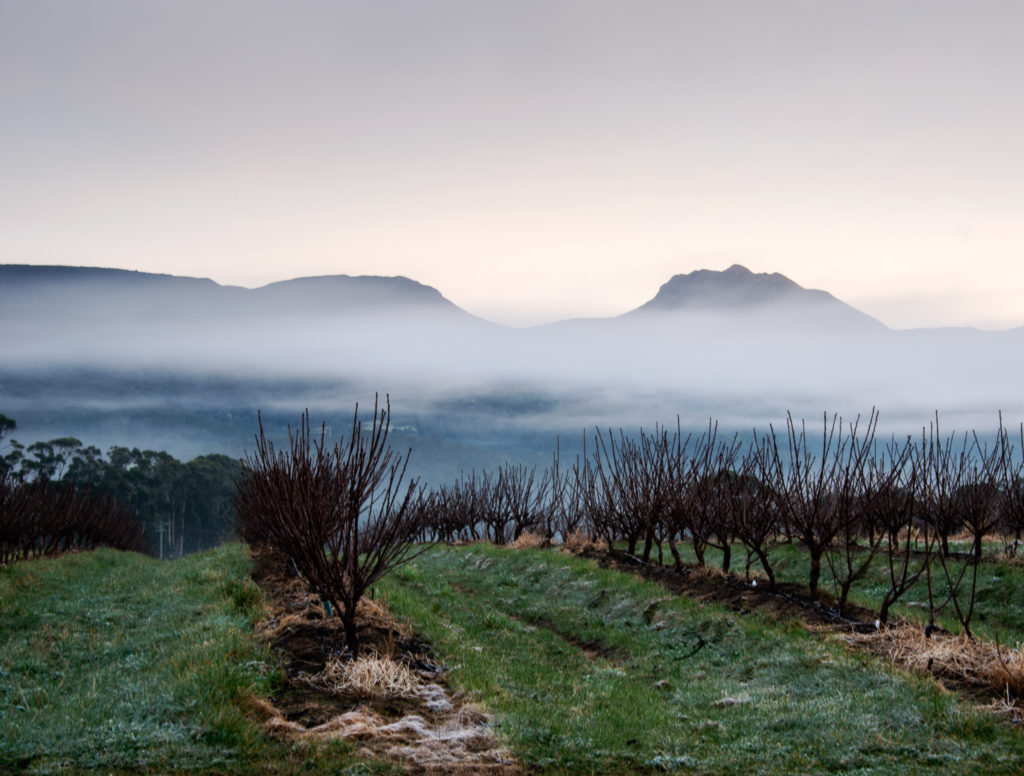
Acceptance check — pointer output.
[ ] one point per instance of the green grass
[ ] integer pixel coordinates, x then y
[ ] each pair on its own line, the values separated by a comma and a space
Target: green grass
999, 613
806, 704
114, 662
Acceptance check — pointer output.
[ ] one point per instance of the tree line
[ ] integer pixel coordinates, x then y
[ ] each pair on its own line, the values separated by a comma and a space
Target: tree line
182, 507
343, 515
846, 497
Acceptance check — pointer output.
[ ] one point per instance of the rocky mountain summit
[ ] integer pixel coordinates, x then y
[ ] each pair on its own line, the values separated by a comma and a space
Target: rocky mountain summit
739, 292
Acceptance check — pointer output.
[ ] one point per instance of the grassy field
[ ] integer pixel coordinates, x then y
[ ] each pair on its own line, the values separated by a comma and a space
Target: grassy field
999, 613
112, 662
595, 671
116, 663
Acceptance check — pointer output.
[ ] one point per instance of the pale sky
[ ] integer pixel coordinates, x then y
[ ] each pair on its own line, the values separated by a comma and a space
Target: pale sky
531, 160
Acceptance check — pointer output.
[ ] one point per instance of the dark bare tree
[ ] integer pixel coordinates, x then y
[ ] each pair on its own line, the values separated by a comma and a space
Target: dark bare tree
341, 515
958, 494
616, 462
754, 512
41, 518
857, 484
802, 484
895, 515
1010, 480
564, 515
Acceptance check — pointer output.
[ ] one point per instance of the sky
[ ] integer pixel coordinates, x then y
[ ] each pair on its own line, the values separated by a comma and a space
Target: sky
531, 160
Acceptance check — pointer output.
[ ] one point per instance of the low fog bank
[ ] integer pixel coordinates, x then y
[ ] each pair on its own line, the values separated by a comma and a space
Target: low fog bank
728, 362
466, 392
466, 427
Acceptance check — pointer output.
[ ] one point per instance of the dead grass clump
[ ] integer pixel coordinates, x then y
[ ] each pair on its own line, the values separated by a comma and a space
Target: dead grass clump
365, 677
710, 571
375, 613
460, 743
580, 542
977, 664
259, 708
530, 541
276, 626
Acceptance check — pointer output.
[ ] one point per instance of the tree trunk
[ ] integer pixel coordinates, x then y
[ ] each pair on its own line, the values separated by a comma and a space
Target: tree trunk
883, 612
648, 545
675, 553
698, 549
763, 557
815, 572
348, 622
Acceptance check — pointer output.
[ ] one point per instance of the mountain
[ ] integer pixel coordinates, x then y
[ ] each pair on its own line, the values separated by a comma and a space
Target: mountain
115, 319
130, 357
93, 292
344, 292
738, 292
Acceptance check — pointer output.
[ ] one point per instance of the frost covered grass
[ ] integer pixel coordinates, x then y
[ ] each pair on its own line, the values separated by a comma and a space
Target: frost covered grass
112, 662
115, 663
998, 617
592, 670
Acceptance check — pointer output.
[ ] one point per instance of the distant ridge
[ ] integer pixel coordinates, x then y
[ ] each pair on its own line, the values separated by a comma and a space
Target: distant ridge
739, 291
95, 294
107, 293
360, 290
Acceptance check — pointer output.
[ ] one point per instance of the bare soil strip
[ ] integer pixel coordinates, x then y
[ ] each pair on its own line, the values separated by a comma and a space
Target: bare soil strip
391, 702
986, 674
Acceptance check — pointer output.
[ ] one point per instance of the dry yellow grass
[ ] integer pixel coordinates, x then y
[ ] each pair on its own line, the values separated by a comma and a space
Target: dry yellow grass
710, 571
530, 541
444, 738
974, 663
459, 743
375, 612
580, 542
369, 676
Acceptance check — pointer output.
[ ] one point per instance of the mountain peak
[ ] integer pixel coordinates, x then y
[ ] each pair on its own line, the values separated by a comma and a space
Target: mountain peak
734, 287
739, 291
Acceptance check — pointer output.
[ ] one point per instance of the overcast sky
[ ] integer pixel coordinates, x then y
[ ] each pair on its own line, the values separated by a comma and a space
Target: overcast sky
531, 160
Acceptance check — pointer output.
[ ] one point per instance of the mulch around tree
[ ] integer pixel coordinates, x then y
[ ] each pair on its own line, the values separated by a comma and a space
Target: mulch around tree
428, 730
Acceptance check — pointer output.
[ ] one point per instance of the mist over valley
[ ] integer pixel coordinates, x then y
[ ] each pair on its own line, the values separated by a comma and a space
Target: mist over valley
183, 364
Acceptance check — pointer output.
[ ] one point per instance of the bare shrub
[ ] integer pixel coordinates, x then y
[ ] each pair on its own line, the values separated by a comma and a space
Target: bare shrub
458, 510
1010, 480
802, 483
959, 494
858, 483
341, 515
894, 515
708, 518
42, 518
522, 498
755, 518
